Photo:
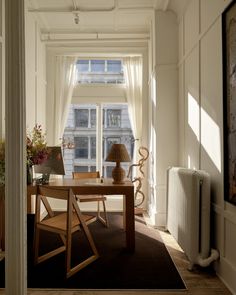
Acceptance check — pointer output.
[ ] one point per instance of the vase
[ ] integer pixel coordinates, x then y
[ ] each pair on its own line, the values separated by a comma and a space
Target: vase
29, 174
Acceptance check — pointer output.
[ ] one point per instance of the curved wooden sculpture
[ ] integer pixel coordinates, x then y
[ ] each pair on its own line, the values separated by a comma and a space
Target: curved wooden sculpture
144, 153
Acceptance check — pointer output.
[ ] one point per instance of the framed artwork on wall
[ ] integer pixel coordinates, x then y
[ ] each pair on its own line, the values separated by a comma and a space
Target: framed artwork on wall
229, 101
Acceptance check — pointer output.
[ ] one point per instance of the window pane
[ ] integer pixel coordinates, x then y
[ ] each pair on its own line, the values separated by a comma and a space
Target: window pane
83, 66
110, 142
97, 65
81, 147
93, 169
93, 147
81, 168
117, 117
109, 171
81, 118
114, 66
113, 118
93, 118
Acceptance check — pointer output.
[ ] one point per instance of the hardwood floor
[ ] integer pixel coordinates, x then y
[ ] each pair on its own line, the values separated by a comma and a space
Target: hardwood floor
201, 281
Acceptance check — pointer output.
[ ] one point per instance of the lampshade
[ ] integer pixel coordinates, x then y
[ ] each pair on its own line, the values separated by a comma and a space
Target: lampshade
118, 153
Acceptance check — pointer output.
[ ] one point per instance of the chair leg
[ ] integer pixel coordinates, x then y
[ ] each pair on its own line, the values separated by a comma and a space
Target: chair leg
36, 245
68, 253
100, 218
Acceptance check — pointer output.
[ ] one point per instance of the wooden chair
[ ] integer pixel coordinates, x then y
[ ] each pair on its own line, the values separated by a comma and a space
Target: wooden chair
93, 198
65, 224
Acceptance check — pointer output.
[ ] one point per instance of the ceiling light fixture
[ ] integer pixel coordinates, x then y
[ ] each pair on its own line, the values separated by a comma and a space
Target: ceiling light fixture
76, 19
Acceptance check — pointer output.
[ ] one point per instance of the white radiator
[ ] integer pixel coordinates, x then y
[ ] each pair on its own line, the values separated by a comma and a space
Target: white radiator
188, 213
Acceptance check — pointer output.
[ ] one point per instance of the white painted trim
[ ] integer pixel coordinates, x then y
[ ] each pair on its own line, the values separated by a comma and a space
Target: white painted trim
93, 36
229, 271
16, 257
99, 132
99, 49
227, 214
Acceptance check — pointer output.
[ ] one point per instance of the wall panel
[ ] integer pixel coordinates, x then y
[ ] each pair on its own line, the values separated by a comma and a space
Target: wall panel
191, 25
210, 10
181, 117
191, 96
230, 241
35, 74
207, 53
211, 109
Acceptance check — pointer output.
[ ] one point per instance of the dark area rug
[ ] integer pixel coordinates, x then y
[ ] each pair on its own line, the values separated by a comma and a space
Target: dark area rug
150, 267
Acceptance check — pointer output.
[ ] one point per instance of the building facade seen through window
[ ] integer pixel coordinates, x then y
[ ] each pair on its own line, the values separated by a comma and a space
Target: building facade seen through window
80, 132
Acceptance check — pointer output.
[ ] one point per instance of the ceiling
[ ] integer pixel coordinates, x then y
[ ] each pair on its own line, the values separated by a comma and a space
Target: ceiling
65, 18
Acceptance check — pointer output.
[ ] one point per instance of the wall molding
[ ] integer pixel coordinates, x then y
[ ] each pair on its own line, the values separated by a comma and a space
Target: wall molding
229, 271
229, 215
200, 36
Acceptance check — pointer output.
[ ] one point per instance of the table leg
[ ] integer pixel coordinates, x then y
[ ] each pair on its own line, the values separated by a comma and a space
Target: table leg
29, 203
129, 221
124, 213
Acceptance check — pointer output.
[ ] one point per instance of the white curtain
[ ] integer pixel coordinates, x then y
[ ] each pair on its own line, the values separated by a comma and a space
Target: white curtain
133, 80
65, 79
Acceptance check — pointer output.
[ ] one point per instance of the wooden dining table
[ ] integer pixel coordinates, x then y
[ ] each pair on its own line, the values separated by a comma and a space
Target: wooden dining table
98, 187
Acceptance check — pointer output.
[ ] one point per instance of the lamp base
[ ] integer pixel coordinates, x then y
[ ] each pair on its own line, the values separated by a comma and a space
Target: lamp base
118, 175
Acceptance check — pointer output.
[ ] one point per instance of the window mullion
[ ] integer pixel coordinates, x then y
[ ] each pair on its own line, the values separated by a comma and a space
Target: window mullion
99, 131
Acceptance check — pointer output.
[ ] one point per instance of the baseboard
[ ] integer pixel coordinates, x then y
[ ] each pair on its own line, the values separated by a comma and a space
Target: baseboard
227, 273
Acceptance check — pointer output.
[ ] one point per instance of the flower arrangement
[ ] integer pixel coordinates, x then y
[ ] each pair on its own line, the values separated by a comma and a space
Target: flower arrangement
36, 146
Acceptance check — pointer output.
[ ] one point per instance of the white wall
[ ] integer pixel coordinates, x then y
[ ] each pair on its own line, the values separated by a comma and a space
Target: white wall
35, 74
201, 118
163, 122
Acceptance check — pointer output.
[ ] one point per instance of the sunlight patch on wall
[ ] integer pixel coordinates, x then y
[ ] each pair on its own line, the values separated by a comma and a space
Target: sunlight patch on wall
189, 165
210, 138
153, 90
193, 115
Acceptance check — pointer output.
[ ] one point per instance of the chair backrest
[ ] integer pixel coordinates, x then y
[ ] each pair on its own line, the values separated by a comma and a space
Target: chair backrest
55, 193
43, 193
81, 175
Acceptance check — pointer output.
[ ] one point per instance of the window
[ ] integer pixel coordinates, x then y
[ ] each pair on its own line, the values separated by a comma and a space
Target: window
82, 155
93, 147
109, 171
97, 66
93, 118
83, 66
114, 66
110, 141
81, 118
100, 71
114, 118
81, 168
81, 147
93, 169
85, 118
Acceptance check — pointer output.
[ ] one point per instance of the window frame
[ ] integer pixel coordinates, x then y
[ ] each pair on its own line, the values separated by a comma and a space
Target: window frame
102, 74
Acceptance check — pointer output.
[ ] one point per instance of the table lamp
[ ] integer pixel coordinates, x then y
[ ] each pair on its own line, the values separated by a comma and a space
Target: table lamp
118, 153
